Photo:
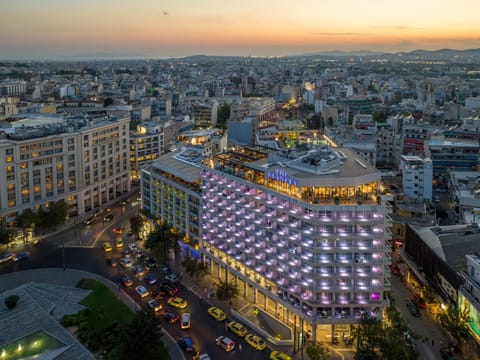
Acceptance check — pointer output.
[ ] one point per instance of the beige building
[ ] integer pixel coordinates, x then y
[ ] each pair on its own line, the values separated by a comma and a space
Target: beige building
81, 159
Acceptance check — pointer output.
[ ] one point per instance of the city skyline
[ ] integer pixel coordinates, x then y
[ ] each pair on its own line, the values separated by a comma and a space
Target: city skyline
38, 29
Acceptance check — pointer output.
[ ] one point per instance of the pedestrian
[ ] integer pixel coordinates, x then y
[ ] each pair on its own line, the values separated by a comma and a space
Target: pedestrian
240, 347
226, 327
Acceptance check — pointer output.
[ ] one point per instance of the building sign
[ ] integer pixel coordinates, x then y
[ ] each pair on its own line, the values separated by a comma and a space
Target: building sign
281, 176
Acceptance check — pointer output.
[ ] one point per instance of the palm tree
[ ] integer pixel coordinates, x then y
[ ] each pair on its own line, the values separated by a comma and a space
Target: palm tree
194, 268
136, 224
226, 291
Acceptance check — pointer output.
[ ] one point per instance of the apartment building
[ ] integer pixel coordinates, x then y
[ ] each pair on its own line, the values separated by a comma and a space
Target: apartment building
81, 159
417, 174
146, 145
452, 154
302, 230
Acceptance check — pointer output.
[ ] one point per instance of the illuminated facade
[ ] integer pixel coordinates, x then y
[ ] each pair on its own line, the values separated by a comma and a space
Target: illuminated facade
302, 229
469, 293
146, 145
170, 189
83, 161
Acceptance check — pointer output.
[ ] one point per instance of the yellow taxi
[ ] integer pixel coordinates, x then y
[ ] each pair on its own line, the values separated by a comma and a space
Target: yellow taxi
177, 302
237, 328
255, 341
107, 247
278, 355
217, 313
118, 242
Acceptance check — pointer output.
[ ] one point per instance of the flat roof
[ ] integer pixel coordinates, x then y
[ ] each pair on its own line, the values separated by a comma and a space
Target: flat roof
451, 243
180, 165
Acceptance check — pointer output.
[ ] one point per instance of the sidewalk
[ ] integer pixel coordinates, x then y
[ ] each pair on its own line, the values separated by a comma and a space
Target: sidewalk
71, 277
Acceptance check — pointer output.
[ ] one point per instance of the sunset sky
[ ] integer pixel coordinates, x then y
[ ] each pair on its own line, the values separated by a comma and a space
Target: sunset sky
54, 29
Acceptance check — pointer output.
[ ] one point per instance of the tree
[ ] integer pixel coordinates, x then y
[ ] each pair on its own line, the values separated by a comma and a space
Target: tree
223, 115
107, 101
58, 212
317, 351
136, 224
456, 321
227, 292
142, 339
11, 301
194, 267
163, 239
6, 233
27, 218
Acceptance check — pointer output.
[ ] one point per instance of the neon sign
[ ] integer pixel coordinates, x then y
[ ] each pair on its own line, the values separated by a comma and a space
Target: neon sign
281, 176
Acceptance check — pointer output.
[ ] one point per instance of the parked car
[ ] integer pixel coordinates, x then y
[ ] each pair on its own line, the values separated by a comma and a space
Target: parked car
225, 343
217, 313
6, 257
23, 255
138, 253
255, 341
237, 328
132, 247
155, 305
414, 310
419, 301
90, 220
108, 218
185, 321
278, 355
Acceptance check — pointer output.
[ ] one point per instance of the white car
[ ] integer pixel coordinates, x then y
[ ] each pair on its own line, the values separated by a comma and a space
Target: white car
155, 305
6, 257
171, 277
142, 291
126, 262
226, 343
185, 321
204, 357
132, 247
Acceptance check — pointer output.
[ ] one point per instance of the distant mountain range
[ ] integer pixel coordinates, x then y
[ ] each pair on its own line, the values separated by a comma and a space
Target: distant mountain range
440, 54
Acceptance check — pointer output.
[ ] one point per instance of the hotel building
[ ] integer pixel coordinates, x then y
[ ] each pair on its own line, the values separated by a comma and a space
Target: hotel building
81, 159
302, 231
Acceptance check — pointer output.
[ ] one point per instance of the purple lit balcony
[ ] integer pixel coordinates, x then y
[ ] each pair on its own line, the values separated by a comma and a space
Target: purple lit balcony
307, 295
271, 275
294, 289
282, 281
260, 269
249, 262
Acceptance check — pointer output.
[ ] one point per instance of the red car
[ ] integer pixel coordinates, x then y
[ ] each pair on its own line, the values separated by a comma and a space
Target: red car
419, 301
170, 316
